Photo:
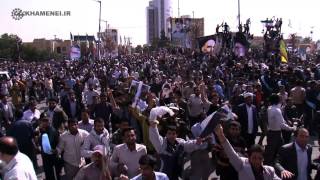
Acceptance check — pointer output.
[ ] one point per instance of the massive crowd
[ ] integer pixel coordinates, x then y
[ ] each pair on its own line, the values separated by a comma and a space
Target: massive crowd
97, 125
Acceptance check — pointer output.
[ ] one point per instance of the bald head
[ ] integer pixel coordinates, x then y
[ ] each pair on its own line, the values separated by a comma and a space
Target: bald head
8, 145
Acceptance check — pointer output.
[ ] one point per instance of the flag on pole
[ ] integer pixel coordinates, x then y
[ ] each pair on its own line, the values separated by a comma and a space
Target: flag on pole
283, 52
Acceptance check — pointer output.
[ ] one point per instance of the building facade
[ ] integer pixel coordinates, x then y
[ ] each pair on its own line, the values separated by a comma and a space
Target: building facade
58, 46
158, 15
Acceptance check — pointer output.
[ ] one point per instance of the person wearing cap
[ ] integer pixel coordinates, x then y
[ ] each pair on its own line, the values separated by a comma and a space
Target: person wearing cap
98, 169
125, 156
170, 148
248, 118
51, 163
147, 167
16, 164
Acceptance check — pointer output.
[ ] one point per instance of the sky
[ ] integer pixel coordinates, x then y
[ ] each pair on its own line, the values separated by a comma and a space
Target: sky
129, 16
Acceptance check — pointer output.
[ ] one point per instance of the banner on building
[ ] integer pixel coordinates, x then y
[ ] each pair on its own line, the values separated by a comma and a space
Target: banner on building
75, 52
181, 35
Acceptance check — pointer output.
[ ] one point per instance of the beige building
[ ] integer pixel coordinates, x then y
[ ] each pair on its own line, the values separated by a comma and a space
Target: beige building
54, 46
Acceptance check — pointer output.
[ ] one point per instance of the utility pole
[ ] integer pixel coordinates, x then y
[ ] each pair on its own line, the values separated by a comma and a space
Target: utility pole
239, 21
178, 8
99, 33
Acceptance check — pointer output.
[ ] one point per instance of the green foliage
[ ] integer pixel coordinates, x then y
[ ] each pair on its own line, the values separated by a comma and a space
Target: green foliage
11, 48
8, 46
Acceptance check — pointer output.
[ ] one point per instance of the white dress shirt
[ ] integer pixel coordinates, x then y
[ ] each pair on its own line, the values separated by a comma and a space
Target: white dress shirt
275, 120
250, 119
89, 96
29, 115
20, 167
302, 158
71, 145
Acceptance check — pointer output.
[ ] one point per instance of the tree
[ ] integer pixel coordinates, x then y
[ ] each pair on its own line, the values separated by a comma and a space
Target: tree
10, 46
307, 40
138, 49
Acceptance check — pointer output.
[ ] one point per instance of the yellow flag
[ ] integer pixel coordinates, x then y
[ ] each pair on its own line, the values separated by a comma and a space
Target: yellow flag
283, 52
283, 59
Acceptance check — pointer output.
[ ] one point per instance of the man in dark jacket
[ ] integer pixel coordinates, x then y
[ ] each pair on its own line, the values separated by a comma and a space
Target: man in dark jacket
23, 132
71, 106
248, 118
57, 116
294, 159
51, 163
104, 109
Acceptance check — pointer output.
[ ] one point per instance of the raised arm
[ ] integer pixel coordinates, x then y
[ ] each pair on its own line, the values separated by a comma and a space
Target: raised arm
234, 158
155, 138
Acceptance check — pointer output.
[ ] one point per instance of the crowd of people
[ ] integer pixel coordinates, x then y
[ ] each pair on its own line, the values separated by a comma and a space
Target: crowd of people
93, 126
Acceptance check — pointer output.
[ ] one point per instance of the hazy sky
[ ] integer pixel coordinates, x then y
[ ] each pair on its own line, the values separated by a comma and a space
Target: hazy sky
129, 16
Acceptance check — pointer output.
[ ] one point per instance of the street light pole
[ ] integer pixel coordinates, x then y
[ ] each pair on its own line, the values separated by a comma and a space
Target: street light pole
99, 34
239, 12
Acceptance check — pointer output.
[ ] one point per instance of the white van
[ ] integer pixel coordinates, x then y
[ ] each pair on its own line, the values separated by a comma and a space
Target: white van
4, 75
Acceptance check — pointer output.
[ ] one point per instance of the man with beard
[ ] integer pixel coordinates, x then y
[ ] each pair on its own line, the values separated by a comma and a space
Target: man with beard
57, 116
147, 165
98, 136
104, 109
170, 148
70, 144
126, 156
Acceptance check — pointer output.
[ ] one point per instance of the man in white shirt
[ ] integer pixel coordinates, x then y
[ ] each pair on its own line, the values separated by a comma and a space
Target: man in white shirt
32, 113
90, 94
86, 123
126, 156
276, 123
18, 165
70, 143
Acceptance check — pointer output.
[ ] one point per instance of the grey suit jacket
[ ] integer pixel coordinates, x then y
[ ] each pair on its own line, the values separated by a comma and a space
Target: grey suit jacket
243, 166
